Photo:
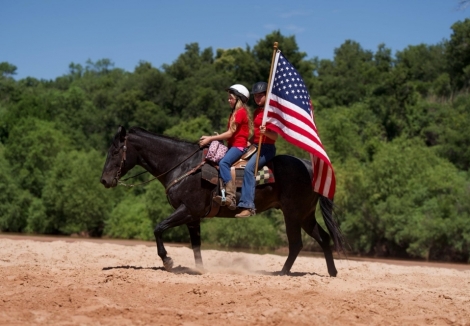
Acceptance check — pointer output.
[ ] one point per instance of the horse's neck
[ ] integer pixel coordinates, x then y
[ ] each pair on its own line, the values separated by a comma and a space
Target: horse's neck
158, 154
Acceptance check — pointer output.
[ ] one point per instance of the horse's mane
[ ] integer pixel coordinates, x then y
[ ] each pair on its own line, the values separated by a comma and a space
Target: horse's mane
142, 131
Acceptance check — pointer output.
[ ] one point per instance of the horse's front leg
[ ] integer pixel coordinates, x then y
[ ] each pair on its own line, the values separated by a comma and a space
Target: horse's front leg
179, 217
195, 234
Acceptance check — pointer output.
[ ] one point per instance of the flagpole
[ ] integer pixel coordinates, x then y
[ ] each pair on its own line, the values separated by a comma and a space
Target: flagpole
265, 106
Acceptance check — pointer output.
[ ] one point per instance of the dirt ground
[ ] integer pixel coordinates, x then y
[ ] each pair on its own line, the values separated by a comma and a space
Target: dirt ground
63, 282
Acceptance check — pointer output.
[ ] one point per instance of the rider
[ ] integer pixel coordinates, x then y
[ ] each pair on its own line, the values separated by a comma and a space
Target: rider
267, 152
238, 131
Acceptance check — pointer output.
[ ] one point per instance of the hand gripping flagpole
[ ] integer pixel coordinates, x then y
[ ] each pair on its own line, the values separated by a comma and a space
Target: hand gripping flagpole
265, 106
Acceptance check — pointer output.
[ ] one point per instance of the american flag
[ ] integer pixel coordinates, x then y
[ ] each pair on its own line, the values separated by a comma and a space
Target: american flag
290, 114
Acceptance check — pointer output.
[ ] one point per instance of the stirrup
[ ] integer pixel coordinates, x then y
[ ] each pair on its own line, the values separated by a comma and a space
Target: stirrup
227, 201
221, 200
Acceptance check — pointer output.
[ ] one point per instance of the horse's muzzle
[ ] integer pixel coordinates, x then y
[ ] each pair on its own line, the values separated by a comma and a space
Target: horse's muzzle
111, 184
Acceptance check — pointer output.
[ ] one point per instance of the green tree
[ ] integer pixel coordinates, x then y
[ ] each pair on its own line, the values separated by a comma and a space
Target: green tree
31, 149
73, 199
189, 62
449, 127
263, 53
239, 65
458, 55
102, 66
408, 201
7, 70
191, 130
349, 132
150, 116
130, 220
255, 232
344, 81
423, 64
14, 201
156, 86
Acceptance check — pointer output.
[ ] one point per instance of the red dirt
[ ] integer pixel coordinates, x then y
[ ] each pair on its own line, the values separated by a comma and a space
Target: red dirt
47, 281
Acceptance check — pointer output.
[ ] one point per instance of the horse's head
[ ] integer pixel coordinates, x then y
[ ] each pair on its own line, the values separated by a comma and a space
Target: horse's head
115, 165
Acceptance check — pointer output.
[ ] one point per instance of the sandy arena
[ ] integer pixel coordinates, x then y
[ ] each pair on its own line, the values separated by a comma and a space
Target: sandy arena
69, 282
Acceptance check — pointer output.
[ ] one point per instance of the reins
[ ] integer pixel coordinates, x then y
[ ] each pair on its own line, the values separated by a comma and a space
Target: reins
123, 159
134, 176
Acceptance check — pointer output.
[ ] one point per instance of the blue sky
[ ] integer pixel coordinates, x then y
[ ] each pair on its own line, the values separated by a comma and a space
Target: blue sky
42, 37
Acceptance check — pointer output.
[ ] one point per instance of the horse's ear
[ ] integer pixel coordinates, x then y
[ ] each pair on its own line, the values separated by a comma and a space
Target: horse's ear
122, 133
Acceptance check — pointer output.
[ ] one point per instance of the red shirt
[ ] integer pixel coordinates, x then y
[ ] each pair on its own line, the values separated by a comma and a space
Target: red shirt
240, 136
257, 120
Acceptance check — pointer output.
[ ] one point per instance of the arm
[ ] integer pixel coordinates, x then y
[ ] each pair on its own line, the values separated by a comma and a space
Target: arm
204, 140
268, 133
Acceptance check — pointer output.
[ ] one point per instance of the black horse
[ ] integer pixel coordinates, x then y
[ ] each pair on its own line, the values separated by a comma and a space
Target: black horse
175, 164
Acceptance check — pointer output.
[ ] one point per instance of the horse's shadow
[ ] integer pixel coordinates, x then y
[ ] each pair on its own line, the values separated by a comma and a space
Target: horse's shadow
186, 270
175, 270
292, 274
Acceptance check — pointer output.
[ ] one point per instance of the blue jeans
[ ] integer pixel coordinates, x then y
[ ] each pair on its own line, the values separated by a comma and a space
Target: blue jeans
232, 155
247, 200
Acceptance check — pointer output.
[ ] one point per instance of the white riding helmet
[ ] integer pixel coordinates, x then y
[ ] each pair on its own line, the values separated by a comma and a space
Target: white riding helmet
241, 91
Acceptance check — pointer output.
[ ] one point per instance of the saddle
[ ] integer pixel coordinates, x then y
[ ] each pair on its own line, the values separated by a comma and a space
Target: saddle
210, 173
265, 175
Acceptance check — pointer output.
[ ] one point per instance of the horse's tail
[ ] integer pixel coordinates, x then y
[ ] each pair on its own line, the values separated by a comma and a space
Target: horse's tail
326, 206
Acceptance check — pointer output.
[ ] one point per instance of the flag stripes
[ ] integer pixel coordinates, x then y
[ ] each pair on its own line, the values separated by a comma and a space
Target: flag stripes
289, 113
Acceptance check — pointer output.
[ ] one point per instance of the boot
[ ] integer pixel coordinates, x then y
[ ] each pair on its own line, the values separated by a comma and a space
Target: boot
246, 212
230, 193
230, 196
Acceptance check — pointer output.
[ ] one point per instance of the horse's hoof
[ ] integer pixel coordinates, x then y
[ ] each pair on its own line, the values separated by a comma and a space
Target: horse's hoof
168, 264
333, 272
200, 269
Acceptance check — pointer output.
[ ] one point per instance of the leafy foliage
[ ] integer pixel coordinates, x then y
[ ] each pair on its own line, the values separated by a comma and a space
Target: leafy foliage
73, 199
31, 148
394, 126
13, 200
255, 232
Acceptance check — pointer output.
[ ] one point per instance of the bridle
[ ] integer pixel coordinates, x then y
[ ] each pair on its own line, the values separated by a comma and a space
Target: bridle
123, 161
171, 184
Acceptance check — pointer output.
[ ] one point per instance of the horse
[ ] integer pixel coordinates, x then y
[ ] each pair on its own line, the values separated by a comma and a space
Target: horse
175, 163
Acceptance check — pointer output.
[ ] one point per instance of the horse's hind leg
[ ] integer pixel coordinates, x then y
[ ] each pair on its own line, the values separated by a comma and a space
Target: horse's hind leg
195, 235
294, 237
313, 229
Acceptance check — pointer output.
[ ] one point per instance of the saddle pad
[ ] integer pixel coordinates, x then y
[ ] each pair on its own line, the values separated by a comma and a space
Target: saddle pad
265, 175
